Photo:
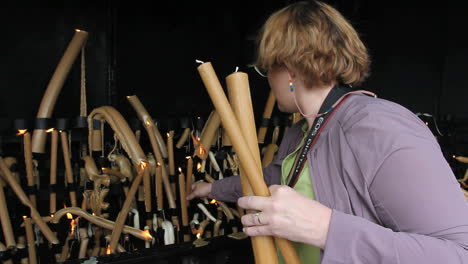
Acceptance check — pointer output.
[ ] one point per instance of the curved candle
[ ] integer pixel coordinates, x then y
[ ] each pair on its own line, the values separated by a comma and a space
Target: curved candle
155, 144
148, 122
55, 85
99, 221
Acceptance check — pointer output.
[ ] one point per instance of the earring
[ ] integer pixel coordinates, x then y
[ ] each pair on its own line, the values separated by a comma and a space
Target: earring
291, 85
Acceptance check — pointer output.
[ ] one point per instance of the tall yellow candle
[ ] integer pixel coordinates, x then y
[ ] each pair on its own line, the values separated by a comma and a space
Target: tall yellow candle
246, 157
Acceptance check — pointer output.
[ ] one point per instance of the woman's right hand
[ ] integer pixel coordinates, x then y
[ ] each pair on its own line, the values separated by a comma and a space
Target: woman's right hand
200, 189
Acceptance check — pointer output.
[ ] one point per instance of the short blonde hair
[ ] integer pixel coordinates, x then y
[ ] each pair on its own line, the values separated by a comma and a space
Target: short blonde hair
314, 40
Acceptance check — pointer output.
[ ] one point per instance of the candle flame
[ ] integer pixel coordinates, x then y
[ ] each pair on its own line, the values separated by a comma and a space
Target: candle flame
49, 130
188, 157
454, 156
69, 216
108, 250
198, 166
147, 234
77, 30
213, 201
159, 164
24, 217
201, 150
143, 165
168, 135
180, 169
148, 123
72, 226
198, 235
21, 132
427, 123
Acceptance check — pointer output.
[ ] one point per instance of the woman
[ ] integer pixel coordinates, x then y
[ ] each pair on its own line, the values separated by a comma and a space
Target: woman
370, 184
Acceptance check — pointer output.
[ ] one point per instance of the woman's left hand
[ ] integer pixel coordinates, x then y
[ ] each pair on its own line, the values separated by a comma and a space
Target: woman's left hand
287, 214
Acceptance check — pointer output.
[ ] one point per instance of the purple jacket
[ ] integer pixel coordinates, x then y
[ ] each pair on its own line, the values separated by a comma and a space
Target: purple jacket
394, 197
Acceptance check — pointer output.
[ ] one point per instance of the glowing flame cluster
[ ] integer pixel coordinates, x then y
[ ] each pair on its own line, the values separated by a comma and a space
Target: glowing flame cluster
199, 166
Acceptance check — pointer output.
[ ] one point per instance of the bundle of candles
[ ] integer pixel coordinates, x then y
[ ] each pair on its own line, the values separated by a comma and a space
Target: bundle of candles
97, 191
112, 187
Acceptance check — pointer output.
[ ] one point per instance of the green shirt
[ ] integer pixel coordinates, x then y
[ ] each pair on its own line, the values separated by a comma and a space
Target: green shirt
307, 253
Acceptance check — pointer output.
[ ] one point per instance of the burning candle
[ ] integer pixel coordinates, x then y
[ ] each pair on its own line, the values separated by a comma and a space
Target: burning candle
53, 171
146, 233
183, 203
170, 153
28, 163
159, 187
208, 135
189, 175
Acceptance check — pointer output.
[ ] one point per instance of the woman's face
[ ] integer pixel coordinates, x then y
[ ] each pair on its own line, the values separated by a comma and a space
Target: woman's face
279, 84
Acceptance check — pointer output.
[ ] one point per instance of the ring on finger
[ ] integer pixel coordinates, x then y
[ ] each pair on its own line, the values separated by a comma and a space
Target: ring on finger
258, 218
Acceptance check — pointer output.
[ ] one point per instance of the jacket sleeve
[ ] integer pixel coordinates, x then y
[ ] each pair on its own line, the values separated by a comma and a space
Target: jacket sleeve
229, 189
423, 213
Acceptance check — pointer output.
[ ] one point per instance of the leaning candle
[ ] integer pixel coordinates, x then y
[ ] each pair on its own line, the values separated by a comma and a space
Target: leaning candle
30, 238
119, 222
208, 135
5, 219
55, 85
461, 159
16, 187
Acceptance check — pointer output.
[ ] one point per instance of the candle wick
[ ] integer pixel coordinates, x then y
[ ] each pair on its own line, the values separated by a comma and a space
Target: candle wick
237, 69
199, 61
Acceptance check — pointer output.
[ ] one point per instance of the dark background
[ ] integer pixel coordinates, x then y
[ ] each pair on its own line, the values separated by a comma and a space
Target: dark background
418, 51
